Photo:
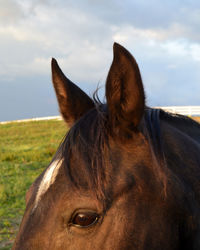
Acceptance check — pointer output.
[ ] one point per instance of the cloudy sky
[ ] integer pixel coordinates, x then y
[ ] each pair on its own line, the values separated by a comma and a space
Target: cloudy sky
163, 36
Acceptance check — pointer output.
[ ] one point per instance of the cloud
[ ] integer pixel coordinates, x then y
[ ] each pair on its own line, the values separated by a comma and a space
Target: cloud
39, 37
10, 12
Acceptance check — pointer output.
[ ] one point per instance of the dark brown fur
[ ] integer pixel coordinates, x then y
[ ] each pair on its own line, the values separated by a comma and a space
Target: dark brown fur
137, 168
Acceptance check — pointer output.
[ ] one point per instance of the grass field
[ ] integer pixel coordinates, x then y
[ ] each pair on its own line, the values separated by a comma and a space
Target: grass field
25, 150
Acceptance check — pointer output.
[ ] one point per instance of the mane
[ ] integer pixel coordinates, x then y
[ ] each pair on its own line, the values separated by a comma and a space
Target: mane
82, 147
85, 149
83, 144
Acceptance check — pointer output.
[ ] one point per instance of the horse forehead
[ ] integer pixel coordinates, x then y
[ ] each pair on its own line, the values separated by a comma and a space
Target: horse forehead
48, 178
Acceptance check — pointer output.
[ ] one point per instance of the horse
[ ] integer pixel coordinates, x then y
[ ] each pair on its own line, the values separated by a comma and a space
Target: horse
125, 177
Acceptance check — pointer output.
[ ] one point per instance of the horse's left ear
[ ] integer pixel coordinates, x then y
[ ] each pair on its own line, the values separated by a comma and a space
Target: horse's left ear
73, 102
124, 90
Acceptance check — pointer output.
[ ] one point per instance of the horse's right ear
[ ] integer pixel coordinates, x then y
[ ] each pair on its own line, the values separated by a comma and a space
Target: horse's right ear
73, 102
124, 91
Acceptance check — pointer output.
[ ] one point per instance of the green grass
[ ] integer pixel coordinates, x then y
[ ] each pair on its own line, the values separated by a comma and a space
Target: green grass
25, 150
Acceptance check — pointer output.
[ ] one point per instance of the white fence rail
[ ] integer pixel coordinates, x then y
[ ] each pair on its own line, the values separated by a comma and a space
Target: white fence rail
35, 119
183, 110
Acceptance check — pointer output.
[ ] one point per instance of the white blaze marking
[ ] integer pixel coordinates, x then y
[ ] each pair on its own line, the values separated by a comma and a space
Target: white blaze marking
48, 179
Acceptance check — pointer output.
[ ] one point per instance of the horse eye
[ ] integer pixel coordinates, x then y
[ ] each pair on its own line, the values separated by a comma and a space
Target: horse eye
84, 219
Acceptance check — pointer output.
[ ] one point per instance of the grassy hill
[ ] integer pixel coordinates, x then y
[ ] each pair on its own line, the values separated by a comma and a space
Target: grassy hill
25, 150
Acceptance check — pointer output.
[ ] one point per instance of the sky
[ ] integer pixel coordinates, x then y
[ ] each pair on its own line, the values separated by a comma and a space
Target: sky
163, 36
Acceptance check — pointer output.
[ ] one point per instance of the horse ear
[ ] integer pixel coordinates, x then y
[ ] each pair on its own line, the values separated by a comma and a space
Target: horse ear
73, 102
124, 90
